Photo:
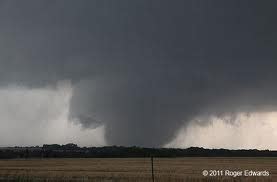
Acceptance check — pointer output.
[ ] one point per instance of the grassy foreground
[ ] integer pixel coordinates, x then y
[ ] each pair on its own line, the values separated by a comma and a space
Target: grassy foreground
133, 169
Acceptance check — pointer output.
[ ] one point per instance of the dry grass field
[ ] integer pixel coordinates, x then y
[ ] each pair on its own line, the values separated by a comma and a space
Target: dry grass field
132, 169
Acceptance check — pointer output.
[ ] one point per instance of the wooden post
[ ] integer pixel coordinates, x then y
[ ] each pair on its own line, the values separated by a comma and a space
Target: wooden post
152, 166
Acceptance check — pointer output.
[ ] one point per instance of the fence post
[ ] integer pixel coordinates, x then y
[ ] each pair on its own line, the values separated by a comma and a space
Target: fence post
152, 166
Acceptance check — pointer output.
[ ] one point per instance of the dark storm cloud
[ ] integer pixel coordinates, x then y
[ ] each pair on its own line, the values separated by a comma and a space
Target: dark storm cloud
144, 68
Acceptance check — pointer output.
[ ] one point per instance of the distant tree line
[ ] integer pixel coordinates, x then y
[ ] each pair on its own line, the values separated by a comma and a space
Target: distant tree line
73, 151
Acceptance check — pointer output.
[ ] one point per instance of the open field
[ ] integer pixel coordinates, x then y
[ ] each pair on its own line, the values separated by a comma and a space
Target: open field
133, 169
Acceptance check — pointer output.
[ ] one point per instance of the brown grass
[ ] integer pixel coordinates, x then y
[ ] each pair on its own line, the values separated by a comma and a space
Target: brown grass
125, 170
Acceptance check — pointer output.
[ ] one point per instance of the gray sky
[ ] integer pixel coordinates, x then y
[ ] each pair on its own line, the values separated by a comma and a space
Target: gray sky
140, 69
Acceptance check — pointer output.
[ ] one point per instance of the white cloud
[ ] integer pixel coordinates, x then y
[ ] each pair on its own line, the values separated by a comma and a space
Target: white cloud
40, 115
257, 130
